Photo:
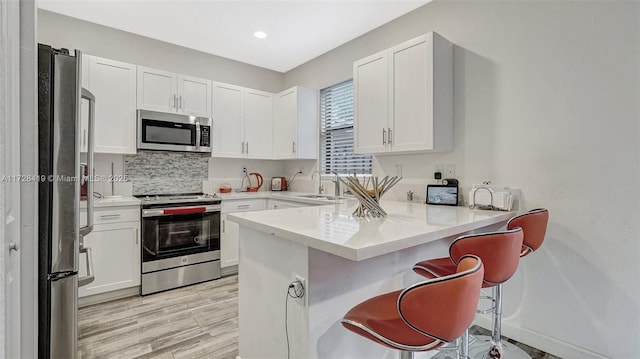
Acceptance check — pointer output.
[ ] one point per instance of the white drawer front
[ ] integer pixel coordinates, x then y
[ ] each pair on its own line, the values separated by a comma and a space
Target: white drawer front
111, 215
243, 205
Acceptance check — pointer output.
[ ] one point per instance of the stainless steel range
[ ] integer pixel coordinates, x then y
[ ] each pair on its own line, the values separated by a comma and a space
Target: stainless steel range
180, 240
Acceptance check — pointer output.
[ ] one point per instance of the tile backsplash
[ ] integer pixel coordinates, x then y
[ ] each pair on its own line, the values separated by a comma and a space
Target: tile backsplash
161, 172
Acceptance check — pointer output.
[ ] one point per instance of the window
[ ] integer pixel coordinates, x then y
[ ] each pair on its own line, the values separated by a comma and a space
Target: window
336, 132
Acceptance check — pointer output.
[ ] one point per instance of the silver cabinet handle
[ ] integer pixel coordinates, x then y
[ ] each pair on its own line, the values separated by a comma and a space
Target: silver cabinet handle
180, 103
242, 206
242, 146
384, 136
247, 148
293, 146
137, 236
86, 94
109, 216
389, 136
175, 101
82, 281
223, 225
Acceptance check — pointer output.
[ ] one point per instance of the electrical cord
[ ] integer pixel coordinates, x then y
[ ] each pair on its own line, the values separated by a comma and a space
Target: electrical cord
289, 183
298, 292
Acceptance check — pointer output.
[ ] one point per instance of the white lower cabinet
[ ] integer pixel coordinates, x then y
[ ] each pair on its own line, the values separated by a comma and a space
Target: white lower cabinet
229, 242
115, 250
230, 230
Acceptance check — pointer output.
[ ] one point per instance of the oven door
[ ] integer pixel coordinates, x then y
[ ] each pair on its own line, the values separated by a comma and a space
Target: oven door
178, 231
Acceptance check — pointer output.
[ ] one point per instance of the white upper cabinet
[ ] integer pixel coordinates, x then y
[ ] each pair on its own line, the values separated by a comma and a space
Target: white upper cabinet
404, 98
228, 122
295, 124
113, 83
164, 91
371, 104
258, 124
194, 96
242, 122
157, 90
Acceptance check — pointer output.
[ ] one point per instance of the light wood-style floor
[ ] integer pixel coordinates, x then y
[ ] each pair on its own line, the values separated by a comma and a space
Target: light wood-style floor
199, 321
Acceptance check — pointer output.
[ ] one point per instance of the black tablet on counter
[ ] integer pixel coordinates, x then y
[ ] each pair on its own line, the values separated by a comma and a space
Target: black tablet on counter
442, 195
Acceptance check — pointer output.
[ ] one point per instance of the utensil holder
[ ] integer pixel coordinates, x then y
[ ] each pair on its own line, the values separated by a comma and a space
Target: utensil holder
369, 199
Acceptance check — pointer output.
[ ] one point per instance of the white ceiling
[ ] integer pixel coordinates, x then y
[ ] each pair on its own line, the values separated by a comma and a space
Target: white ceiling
298, 31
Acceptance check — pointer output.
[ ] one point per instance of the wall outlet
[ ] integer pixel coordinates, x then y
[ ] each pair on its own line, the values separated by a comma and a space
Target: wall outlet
296, 285
451, 171
399, 170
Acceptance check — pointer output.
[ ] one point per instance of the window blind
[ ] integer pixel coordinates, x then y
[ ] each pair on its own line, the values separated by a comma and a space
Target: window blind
336, 132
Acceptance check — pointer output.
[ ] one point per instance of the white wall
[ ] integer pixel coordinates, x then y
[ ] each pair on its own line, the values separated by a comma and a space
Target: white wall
546, 99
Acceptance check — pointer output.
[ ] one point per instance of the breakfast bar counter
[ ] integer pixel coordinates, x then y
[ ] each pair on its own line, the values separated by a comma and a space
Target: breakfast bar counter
342, 260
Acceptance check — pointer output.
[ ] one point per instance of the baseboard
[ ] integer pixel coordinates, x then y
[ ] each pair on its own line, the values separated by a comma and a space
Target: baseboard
230, 270
108, 296
538, 340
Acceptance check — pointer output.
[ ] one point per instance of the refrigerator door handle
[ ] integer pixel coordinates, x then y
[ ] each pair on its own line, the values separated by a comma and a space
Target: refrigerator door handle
86, 94
82, 281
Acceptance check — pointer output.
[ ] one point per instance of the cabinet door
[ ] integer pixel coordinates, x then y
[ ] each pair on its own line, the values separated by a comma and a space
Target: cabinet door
157, 90
285, 125
412, 100
115, 250
371, 104
229, 238
194, 96
114, 85
227, 138
258, 124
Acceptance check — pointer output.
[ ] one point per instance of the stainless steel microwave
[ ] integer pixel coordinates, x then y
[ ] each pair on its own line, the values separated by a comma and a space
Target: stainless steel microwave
173, 132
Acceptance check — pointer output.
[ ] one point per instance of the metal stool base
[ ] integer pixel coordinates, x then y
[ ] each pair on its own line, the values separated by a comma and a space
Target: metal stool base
480, 349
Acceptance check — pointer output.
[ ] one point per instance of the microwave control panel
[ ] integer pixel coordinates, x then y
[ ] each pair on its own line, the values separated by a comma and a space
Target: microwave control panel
204, 136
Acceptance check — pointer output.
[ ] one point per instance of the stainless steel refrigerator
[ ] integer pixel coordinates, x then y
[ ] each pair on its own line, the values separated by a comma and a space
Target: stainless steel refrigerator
59, 231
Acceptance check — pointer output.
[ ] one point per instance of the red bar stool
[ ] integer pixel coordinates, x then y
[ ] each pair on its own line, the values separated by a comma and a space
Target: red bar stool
534, 226
500, 254
423, 316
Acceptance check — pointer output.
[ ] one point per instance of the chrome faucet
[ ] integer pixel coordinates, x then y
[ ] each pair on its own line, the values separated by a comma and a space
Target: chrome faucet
320, 186
336, 183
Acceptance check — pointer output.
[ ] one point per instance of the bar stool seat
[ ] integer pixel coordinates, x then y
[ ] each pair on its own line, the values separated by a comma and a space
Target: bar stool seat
423, 316
500, 253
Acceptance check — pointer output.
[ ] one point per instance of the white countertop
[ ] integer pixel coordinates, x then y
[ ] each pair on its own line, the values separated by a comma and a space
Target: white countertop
333, 229
113, 202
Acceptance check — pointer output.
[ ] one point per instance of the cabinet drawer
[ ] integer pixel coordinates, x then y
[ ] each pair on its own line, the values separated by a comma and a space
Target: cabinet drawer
243, 205
111, 215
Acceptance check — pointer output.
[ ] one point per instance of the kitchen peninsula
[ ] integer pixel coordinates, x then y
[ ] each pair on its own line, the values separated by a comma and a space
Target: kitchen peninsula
342, 261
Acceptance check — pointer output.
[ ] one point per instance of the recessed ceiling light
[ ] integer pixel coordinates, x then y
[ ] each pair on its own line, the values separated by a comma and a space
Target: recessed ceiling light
260, 34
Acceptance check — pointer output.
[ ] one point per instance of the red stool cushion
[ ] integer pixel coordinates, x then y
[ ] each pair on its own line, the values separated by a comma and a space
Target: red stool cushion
427, 314
499, 251
380, 314
534, 225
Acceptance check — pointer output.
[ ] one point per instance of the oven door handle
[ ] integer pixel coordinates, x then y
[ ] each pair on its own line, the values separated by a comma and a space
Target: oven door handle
184, 210
159, 212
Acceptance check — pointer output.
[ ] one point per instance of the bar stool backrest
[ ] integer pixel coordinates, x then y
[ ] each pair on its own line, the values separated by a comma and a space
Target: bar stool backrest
443, 308
499, 251
534, 225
